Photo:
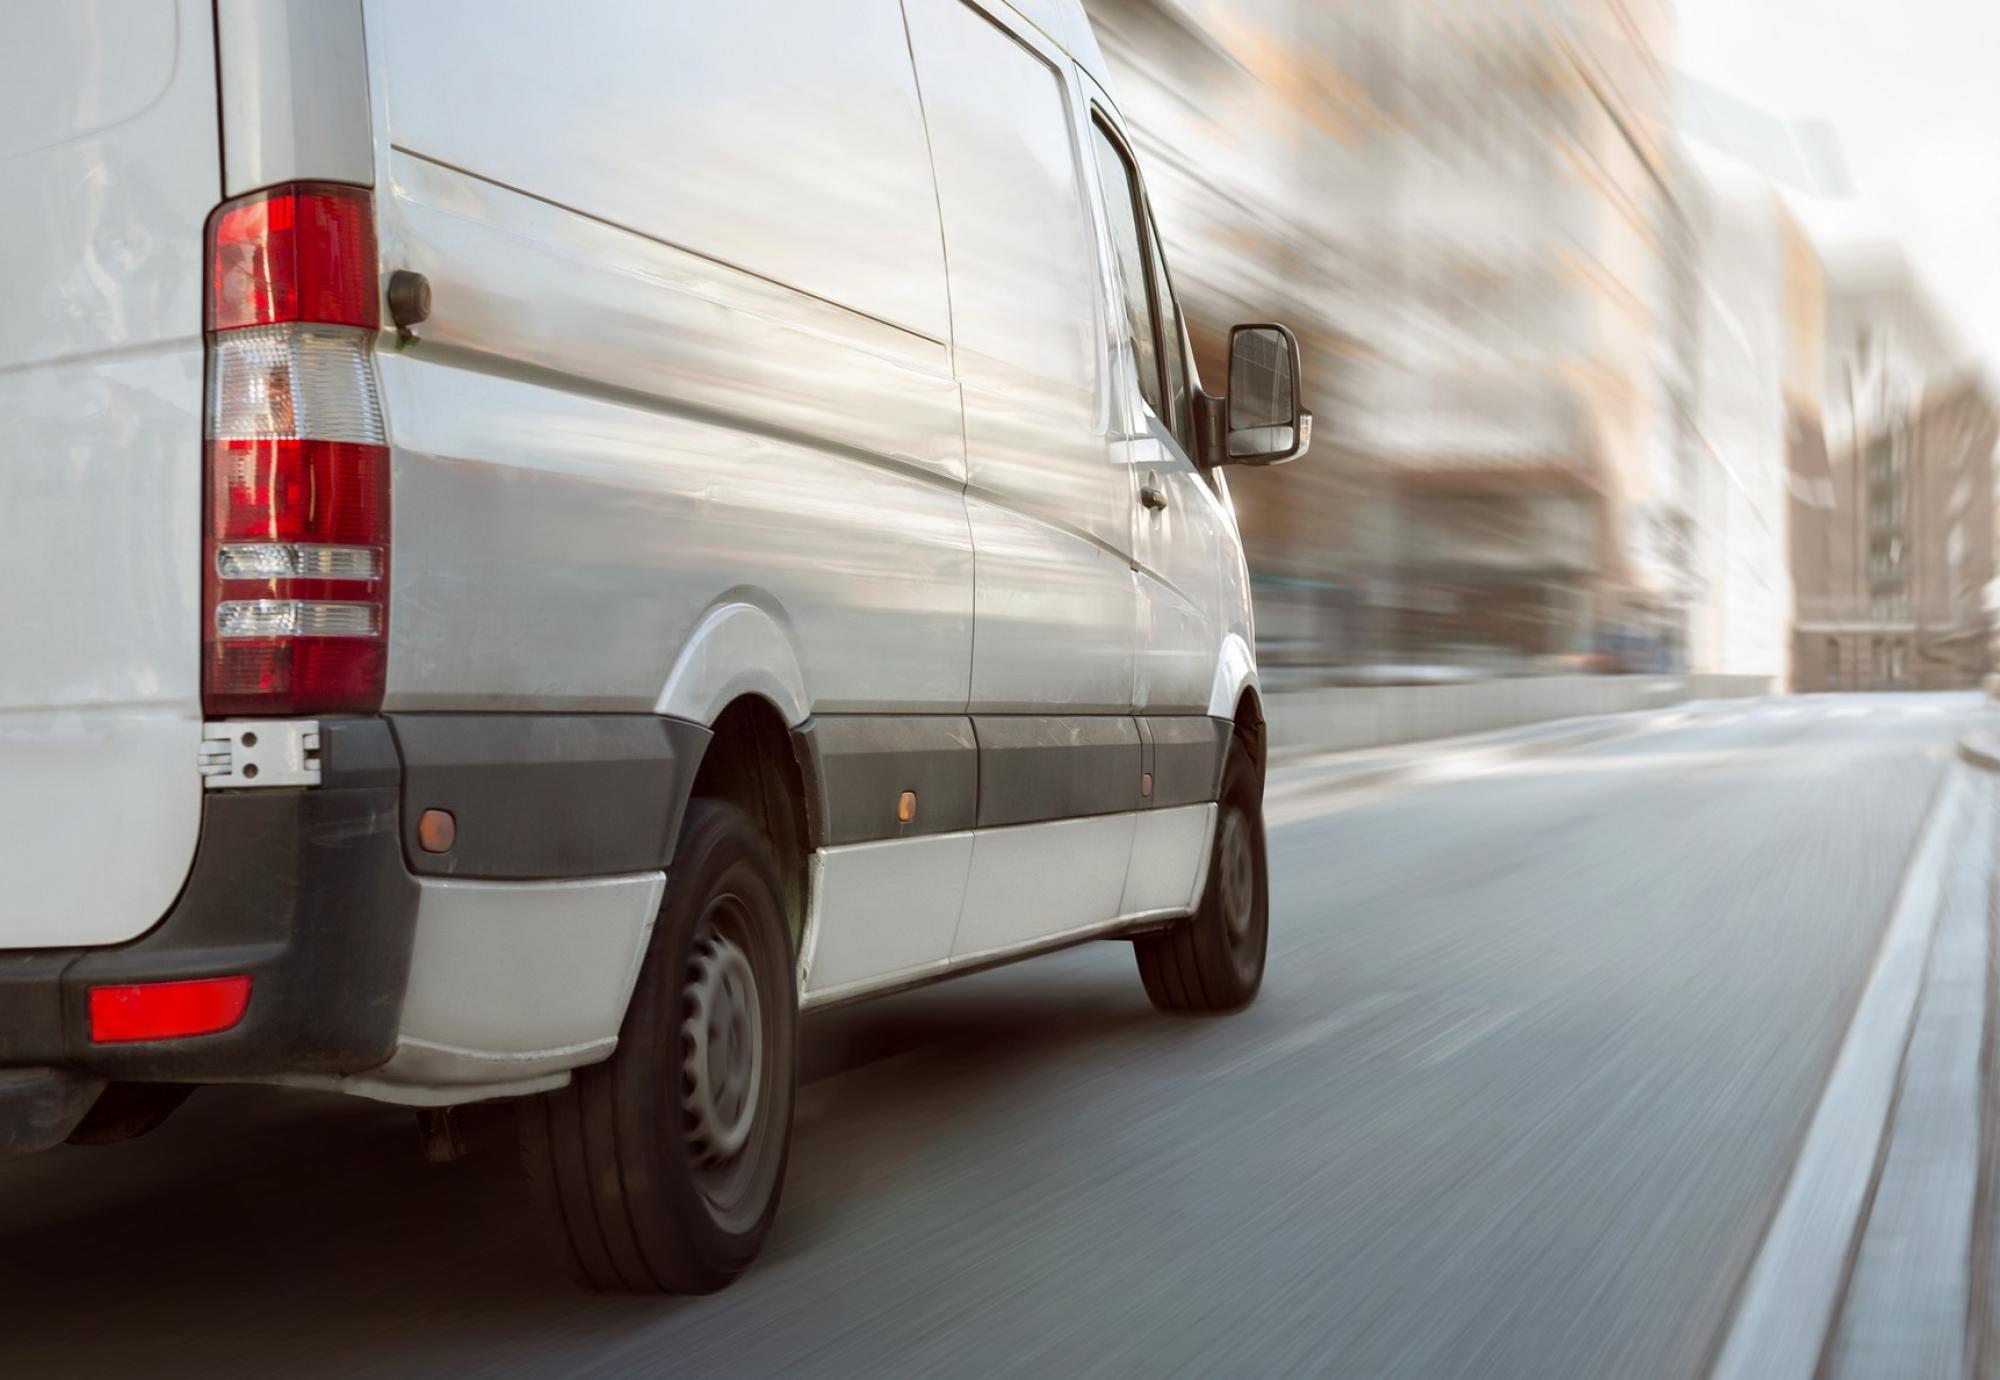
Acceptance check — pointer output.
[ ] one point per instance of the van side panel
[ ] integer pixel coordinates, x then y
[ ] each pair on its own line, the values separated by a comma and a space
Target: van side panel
1050, 501
109, 153
636, 401
781, 138
294, 92
1180, 547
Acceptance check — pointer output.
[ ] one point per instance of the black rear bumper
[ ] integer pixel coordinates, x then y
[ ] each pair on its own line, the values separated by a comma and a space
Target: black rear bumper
312, 894
304, 891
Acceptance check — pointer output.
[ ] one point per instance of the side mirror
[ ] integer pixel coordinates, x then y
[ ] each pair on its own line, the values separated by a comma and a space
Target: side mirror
1265, 423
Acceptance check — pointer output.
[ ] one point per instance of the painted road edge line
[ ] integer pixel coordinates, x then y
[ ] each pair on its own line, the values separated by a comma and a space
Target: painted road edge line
1785, 1310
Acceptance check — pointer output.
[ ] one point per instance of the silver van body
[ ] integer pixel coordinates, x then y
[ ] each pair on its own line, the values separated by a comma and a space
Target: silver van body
768, 417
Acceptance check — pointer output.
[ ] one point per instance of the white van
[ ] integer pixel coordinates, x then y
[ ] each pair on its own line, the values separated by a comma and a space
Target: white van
540, 540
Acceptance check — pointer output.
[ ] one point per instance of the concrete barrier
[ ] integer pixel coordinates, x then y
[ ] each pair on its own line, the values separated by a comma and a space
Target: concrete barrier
1344, 718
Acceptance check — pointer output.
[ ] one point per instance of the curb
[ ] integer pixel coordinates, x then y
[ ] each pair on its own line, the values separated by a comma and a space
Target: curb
1981, 748
1817, 1301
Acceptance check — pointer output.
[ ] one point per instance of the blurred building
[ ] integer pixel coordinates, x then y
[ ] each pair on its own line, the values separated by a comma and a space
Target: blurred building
1892, 519
1466, 209
1761, 307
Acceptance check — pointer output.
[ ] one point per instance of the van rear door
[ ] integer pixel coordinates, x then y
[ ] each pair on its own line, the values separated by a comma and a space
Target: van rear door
109, 165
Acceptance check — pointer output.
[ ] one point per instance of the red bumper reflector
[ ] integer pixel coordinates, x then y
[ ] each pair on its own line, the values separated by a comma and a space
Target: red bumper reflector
167, 1010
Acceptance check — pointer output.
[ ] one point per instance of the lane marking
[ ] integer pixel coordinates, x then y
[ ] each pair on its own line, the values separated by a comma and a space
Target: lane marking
1846, 711
1786, 1307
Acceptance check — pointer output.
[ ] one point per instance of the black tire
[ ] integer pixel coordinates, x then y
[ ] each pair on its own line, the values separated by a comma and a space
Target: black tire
1214, 960
640, 1191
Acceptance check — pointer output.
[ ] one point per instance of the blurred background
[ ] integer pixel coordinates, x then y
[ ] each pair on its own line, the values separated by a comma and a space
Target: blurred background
1647, 344
1607, 374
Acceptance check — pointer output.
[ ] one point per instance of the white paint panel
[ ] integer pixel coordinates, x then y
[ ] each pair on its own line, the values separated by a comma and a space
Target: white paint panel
1042, 880
406, 1082
780, 137
107, 118
1169, 853
601, 441
294, 92
1177, 546
1056, 618
71, 70
509, 969
1050, 505
1235, 669
737, 649
424, 1074
885, 909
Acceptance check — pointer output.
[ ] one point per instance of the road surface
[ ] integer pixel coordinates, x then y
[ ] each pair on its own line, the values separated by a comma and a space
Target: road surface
1535, 1052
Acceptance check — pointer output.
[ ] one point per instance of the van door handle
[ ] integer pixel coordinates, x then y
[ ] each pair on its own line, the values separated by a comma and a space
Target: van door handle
1154, 498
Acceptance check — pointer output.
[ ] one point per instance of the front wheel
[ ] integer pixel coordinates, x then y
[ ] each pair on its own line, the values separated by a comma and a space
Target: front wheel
1214, 960
658, 1170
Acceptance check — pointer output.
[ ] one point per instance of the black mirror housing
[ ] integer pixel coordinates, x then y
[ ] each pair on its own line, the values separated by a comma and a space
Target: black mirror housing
1262, 420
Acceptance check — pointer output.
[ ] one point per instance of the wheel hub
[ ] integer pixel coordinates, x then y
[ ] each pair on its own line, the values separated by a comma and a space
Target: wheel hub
721, 1049
1239, 877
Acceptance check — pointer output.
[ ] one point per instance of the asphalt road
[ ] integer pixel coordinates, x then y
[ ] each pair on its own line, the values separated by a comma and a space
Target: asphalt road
1535, 1052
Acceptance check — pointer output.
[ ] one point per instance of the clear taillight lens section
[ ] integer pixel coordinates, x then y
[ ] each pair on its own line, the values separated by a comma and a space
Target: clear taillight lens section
300, 253
293, 381
264, 618
296, 561
297, 567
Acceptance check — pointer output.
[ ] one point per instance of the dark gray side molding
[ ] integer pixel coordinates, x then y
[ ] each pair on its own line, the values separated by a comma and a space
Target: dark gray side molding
988, 771
866, 761
547, 795
1034, 768
1187, 754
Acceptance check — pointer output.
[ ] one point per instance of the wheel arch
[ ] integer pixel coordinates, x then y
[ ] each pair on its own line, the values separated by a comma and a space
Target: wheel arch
1250, 730
741, 647
755, 762
1236, 694
1235, 674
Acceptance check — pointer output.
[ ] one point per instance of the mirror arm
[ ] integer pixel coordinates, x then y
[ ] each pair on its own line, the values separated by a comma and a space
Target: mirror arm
1211, 429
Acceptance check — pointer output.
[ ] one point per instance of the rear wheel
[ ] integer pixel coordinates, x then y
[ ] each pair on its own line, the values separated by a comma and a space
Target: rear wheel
659, 1170
1214, 960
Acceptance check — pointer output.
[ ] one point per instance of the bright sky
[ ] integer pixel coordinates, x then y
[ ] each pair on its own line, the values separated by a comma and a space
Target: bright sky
1910, 86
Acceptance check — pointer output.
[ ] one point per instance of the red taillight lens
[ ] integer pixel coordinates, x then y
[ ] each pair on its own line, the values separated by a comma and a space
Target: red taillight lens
297, 577
300, 253
297, 553
332, 492
302, 675
167, 1010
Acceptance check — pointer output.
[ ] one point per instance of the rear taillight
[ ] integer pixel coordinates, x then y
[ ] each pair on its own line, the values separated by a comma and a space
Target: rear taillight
300, 253
296, 563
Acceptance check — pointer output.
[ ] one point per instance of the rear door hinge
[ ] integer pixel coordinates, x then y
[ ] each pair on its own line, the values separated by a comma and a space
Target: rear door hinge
253, 753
